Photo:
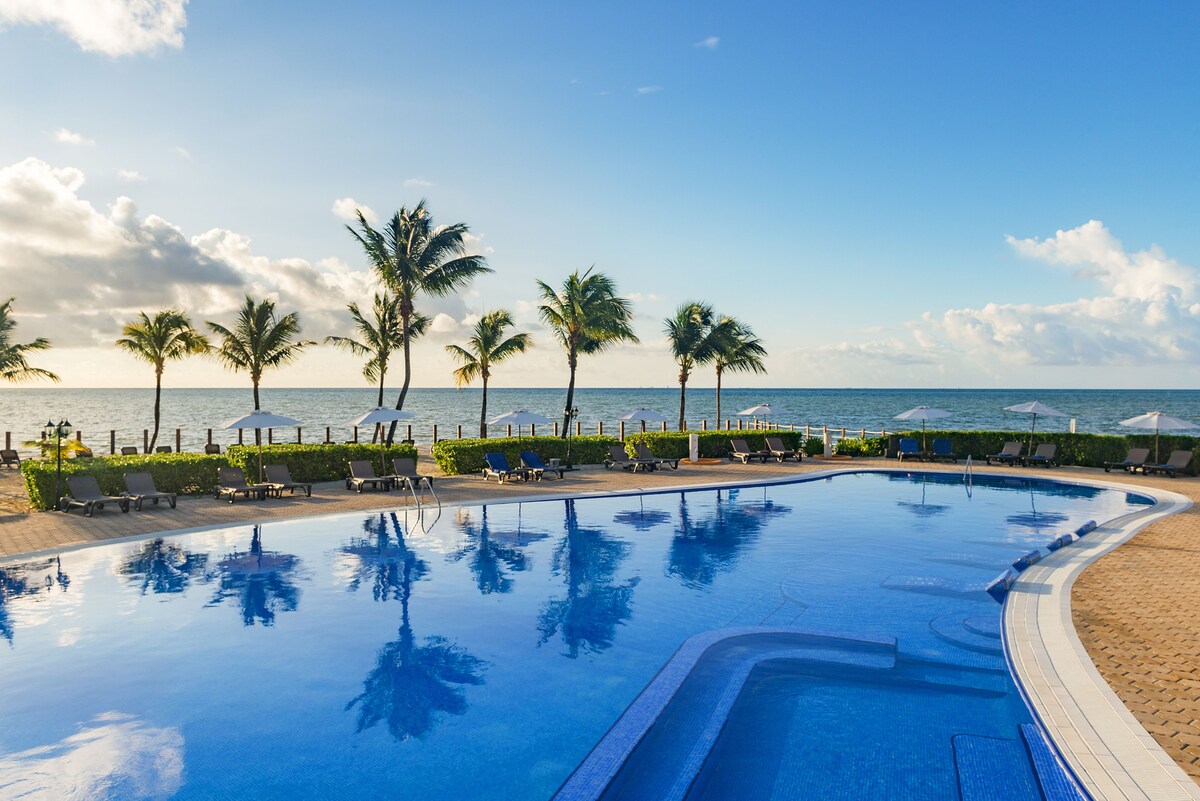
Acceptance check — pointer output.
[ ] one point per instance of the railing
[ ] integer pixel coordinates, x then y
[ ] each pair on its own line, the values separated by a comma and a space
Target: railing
969, 472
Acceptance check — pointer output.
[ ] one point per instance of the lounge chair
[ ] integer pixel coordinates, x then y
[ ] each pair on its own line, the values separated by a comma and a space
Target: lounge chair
163, 449
231, 482
1009, 454
943, 451
406, 474
740, 450
536, 467
85, 492
140, 487
279, 478
777, 449
9, 458
129, 450
497, 465
644, 453
911, 448
1133, 460
212, 449
1178, 463
1046, 454
362, 474
617, 457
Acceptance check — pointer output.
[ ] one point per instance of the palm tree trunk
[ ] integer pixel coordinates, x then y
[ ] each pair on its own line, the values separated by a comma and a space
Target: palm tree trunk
379, 402
483, 412
719, 397
682, 398
157, 406
405, 318
572, 361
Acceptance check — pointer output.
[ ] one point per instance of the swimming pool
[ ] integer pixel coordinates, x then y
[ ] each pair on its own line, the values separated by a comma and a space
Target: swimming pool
365, 656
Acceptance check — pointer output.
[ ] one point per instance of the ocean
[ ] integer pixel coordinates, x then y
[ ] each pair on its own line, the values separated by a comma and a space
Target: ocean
24, 410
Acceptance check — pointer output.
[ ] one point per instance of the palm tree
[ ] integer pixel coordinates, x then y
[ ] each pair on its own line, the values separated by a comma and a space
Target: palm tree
259, 341
587, 316
486, 347
167, 336
411, 257
695, 339
740, 352
378, 337
13, 366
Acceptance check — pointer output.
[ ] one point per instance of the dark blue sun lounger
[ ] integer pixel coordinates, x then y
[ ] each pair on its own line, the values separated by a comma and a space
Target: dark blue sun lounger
497, 465
534, 464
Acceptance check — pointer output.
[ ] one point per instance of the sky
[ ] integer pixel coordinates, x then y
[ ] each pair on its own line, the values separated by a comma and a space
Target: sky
929, 194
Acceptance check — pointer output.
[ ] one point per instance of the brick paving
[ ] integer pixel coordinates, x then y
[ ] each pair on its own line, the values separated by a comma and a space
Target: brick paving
1137, 610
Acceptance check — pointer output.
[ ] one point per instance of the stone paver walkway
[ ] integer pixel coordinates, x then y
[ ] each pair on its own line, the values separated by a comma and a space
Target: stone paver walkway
1136, 610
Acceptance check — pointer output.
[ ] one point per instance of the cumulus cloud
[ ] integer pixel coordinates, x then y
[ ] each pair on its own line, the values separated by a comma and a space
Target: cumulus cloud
130, 176
71, 137
183, 152
346, 208
1145, 312
417, 182
708, 43
649, 90
112, 27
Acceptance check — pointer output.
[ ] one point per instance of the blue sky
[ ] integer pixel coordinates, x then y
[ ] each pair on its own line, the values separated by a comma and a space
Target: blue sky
828, 173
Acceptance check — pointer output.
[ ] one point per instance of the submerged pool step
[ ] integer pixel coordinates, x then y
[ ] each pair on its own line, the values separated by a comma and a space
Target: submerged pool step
953, 657
935, 585
953, 629
1052, 777
993, 769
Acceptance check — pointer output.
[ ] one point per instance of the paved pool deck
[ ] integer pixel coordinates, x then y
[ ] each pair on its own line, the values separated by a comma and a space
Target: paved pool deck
1136, 609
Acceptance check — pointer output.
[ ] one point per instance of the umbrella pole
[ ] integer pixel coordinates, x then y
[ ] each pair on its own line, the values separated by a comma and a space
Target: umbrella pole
922, 448
1032, 427
260, 467
1156, 459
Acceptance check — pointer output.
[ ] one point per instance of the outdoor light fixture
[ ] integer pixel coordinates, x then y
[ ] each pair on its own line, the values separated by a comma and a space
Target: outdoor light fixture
57, 432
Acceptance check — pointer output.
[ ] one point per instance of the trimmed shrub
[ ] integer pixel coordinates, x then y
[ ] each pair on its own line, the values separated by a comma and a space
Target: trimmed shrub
713, 444
1084, 450
184, 473
857, 446
459, 456
814, 446
313, 463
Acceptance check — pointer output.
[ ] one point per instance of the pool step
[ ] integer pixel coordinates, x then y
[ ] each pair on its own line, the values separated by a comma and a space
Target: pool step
1052, 777
966, 560
954, 657
987, 625
953, 629
993, 769
935, 585
944, 675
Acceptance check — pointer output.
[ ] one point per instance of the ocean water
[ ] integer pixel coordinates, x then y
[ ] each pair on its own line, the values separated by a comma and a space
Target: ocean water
23, 411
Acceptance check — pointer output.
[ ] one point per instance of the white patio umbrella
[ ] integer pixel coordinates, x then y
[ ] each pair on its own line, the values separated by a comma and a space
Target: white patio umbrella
643, 416
1034, 408
379, 416
1159, 422
257, 421
761, 410
519, 418
923, 413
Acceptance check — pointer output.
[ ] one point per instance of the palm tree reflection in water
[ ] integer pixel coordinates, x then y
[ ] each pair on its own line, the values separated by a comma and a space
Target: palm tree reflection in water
27, 579
263, 582
490, 552
595, 604
162, 567
412, 682
704, 548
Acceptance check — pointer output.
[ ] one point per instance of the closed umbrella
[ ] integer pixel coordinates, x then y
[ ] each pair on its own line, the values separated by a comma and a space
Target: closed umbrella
1159, 422
519, 418
923, 413
1034, 408
257, 421
643, 416
378, 417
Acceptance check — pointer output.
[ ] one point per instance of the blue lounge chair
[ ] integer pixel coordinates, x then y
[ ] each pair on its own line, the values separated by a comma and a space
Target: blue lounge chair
911, 448
497, 465
534, 464
1009, 454
1045, 455
943, 450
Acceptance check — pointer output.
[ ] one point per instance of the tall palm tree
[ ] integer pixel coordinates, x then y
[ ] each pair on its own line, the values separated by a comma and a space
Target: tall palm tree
13, 365
587, 316
259, 341
412, 256
739, 352
167, 336
486, 347
695, 337
378, 337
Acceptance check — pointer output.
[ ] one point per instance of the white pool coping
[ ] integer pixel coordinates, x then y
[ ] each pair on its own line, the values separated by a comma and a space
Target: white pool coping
1103, 744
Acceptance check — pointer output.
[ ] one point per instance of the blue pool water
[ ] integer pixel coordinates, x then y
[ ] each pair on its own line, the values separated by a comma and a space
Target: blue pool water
483, 656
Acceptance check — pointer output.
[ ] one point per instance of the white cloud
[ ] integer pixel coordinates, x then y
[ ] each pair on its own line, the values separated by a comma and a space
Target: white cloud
638, 297
70, 137
473, 243
417, 182
347, 208
649, 90
183, 152
708, 43
131, 176
112, 27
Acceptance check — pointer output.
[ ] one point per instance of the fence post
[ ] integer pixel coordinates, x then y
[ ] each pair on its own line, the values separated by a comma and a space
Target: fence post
79, 436
622, 424
240, 436
532, 430
556, 428
704, 424
739, 424
326, 435
664, 425
356, 435
807, 431
685, 428
460, 430
178, 440
578, 429
8, 440
864, 433
409, 431
112, 442
600, 428
209, 436
843, 432
270, 436
508, 432
435, 433
299, 436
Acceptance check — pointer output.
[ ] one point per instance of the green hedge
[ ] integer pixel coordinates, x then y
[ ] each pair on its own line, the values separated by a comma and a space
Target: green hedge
459, 456
713, 444
857, 446
184, 473
1085, 450
312, 463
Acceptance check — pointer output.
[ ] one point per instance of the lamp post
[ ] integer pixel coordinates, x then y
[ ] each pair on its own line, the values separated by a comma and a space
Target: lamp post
570, 414
58, 432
